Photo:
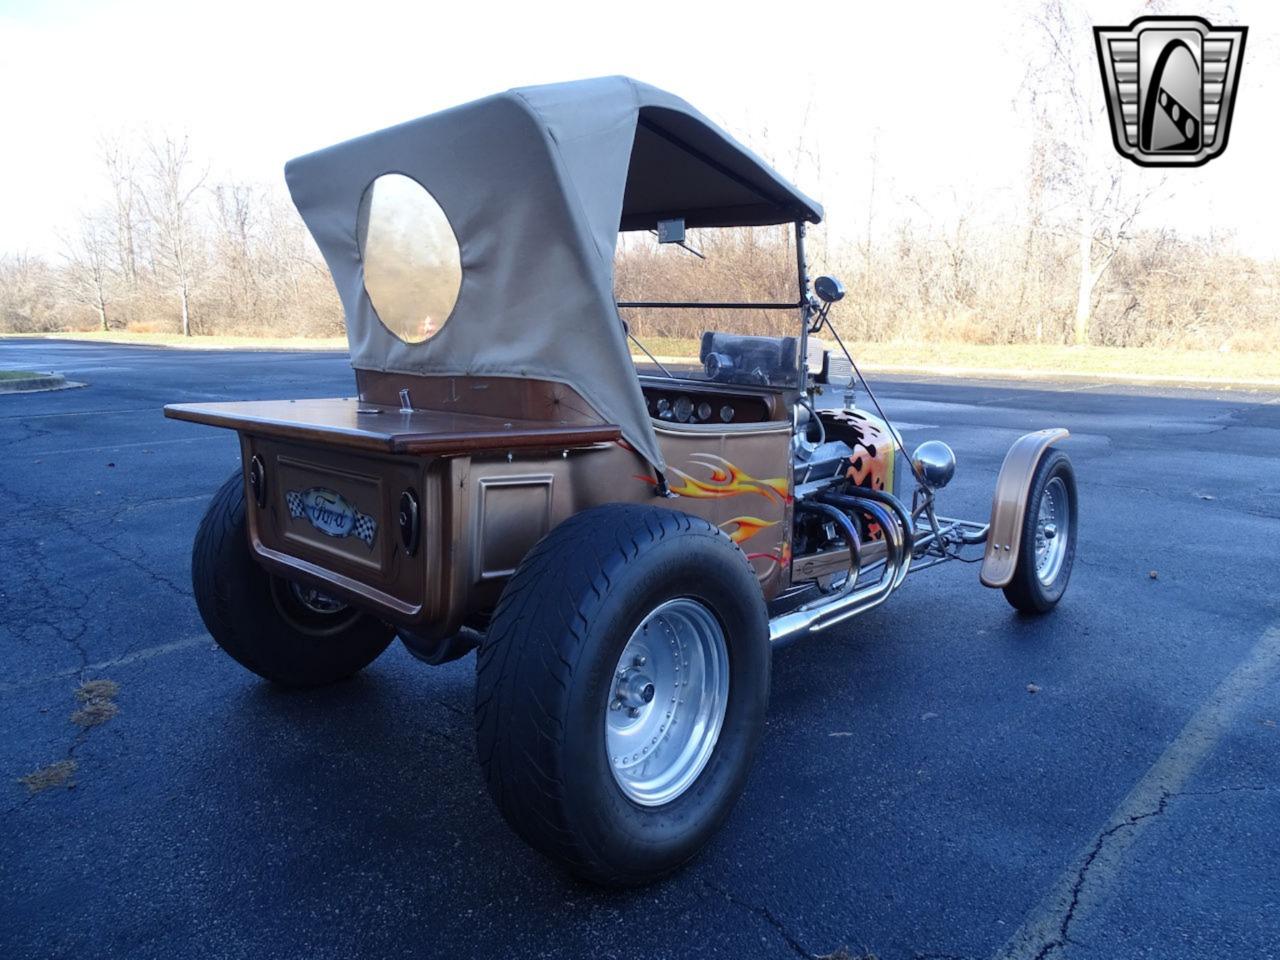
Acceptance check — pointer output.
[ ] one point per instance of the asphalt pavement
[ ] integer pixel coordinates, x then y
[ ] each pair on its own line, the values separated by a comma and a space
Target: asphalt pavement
941, 778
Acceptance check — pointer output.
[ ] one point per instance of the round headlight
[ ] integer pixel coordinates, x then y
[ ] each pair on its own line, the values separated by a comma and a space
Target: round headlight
934, 464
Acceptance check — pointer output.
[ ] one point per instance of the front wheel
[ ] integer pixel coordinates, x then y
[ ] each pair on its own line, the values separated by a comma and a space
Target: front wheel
621, 690
1047, 541
292, 634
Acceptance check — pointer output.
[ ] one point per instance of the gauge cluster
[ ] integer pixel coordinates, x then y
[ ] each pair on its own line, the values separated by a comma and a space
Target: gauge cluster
679, 407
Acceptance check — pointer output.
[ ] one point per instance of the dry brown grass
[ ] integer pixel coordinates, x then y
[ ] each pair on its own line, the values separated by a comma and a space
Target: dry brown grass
916, 293
1155, 364
1045, 361
968, 286
97, 703
54, 775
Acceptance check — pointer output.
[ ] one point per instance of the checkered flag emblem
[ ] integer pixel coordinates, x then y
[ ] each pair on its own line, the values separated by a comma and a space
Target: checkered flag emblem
366, 528
331, 514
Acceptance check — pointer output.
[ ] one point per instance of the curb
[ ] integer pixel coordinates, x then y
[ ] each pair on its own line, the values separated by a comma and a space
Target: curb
297, 346
958, 373
38, 384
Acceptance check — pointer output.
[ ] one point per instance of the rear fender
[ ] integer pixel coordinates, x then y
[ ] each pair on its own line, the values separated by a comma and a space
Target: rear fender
1009, 504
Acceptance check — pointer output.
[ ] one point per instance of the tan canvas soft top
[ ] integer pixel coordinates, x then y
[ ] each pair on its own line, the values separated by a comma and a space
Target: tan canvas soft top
536, 184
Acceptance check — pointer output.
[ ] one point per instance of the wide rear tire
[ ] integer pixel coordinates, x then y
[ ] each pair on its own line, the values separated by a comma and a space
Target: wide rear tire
621, 690
280, 631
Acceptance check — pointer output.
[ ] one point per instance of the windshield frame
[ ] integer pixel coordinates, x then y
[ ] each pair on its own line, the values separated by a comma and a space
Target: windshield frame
803, 305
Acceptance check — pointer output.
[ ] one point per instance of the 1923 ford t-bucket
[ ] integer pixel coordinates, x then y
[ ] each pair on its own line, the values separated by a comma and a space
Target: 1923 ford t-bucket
624, 549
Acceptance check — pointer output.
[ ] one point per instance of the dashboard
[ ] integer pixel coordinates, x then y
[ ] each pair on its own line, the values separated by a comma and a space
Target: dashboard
677, 405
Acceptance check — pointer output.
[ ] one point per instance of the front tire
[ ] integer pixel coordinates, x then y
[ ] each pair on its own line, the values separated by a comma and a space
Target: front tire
1047, 541
621, 691
287, 633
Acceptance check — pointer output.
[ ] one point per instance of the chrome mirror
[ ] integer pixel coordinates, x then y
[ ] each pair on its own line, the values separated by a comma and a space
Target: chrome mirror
828, 289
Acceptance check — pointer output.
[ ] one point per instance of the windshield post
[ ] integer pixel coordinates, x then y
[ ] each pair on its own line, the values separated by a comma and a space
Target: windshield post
806, 308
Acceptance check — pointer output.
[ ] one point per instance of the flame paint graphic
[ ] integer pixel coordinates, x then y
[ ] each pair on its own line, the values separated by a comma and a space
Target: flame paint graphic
747, 527
726, 480
782, 558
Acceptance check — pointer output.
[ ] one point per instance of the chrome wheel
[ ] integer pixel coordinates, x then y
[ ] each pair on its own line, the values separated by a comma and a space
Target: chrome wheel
667, 703
1053, 526
310, 610
317, 601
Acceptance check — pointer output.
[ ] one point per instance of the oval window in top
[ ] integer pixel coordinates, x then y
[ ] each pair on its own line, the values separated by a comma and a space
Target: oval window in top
412, 265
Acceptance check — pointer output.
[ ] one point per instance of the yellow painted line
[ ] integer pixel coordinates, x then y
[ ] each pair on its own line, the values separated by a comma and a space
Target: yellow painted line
1092, 874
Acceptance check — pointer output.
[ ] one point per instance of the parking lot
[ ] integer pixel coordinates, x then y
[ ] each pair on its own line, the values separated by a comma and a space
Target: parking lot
941, 778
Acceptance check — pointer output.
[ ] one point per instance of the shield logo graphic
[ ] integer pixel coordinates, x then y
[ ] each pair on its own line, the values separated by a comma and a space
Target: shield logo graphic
1170, 84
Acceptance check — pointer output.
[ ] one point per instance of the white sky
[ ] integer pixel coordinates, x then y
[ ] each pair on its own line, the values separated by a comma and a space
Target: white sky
933, 84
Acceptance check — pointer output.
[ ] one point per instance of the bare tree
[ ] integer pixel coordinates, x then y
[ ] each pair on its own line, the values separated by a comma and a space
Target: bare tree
168, 199
235, 209
119, 164
86, 278
27, 294
1089, 179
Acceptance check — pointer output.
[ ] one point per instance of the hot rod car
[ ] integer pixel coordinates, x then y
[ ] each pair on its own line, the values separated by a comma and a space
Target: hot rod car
623, 549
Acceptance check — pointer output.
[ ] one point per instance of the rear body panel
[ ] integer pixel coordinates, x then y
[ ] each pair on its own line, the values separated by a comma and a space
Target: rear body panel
294, 541
488, 488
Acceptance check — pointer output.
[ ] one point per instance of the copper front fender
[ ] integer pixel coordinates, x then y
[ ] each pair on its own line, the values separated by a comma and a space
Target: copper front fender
1009, 505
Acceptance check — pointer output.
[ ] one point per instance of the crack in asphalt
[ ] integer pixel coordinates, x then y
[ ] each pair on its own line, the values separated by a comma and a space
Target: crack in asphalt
1064, 931
768, 916
466, 714
1180, 498
71, 624
29, 431
69, 523
35, 612
69, 755
34, 515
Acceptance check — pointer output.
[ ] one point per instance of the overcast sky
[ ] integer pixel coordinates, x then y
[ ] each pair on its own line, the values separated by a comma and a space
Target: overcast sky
931, 85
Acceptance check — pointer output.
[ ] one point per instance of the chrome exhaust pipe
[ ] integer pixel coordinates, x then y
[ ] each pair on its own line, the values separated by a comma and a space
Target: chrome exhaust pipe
901, 514
817, 615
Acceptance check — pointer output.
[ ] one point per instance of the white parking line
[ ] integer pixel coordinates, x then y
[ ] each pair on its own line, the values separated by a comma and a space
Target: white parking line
147, 653
1091, 875
115, 446
81, 413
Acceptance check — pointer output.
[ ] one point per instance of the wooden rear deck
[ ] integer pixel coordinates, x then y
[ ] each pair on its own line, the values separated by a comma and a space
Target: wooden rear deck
380, 428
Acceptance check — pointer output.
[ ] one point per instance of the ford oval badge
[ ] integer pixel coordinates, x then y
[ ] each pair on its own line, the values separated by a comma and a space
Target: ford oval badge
331, 514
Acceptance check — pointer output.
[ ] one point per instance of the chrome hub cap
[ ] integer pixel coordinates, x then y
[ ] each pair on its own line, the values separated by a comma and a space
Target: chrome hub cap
667, 703
1052, 527
317, 601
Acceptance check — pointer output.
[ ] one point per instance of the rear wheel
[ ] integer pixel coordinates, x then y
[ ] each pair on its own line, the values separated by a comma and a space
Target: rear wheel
1047, 541
287, 632
621, 690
